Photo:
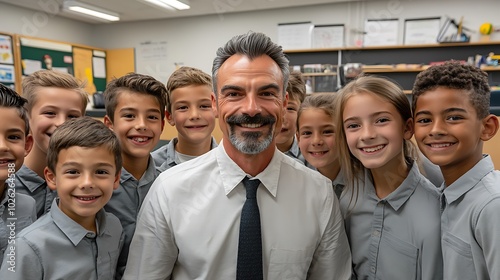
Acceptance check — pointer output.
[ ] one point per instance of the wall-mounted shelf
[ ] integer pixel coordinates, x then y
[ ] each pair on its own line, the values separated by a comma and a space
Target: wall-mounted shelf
394, 55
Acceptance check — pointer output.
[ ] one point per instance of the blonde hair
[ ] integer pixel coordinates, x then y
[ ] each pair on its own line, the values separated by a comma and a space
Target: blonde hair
51, 78
184, 77
352, 168
322, 101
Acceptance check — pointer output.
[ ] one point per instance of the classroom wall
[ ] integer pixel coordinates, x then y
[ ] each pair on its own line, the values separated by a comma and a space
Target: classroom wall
45, 24
193, 41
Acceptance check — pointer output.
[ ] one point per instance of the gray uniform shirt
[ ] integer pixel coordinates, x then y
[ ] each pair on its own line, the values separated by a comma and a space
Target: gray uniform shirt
396, 237
126, 202
165, 157
470, 225
56, 247
14, 219
29, 183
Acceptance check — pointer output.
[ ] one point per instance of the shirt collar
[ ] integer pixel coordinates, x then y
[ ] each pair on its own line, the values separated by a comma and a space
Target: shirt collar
399, 196
73, 230
469, 180
232, 174
149, 175
29, 178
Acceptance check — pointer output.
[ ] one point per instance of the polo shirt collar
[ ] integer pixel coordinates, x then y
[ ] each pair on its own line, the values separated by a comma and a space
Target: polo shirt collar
469, 180
73, 230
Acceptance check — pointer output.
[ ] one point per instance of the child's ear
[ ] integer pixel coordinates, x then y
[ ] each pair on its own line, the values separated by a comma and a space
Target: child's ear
116, 183
408, 129
170, 118
28, 144
50, 178
107, 121
490, 127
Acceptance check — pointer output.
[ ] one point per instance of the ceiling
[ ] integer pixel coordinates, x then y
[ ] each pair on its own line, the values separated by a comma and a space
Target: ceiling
135, 10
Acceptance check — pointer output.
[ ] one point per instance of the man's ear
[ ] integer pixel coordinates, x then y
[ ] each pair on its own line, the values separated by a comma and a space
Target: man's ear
107, 121
28, 144
214, 105
489, 127
50, 178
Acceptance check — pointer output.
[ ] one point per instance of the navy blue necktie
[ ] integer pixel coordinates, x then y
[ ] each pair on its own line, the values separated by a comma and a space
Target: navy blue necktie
249, 266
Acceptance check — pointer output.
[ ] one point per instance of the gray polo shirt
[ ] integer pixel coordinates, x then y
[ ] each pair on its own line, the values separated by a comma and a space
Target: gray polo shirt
470, 224
166, 156
22, 215
56, 247
29, 183
126, 202
396, 237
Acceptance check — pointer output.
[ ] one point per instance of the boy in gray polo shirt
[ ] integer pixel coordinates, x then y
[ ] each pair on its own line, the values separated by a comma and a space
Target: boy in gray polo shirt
17, 211
451, 105
135, 111
77, 239
190, 110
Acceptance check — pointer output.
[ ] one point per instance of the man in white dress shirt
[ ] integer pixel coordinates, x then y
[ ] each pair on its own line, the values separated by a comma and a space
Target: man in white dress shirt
189, 224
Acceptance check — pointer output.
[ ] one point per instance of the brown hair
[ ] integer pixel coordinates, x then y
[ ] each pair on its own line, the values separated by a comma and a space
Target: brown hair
136, 83
323, 101
454, 75
10, 99
83, 132
51, 78
184, 77
296, 87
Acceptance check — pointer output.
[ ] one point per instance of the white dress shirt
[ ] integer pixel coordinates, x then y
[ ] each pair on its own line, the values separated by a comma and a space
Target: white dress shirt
188, 226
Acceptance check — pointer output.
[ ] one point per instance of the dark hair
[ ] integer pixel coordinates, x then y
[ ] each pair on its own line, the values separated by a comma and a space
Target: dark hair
252, 45
10, 99
184, 77
454, 75
136, 83
296, 87
83, 132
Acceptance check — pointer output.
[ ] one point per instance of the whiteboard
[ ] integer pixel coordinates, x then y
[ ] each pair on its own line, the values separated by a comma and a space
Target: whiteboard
421, 31
292, 36
381, 32
152, 60
328, 36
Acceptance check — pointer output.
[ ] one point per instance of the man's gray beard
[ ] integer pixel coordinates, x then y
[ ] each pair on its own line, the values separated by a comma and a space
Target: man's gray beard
248, 143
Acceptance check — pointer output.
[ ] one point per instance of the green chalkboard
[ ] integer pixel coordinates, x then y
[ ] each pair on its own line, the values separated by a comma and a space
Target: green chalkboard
38, 54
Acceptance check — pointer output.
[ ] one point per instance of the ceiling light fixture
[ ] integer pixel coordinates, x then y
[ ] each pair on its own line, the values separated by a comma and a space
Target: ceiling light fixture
89, 10
169, 4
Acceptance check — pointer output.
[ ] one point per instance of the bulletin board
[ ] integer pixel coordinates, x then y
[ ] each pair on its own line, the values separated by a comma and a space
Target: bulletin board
7, 69
74, 59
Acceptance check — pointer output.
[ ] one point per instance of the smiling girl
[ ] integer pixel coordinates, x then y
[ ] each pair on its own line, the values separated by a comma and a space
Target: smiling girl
391, 210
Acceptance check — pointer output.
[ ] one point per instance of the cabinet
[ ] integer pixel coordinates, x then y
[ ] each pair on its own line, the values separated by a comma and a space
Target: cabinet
388, 57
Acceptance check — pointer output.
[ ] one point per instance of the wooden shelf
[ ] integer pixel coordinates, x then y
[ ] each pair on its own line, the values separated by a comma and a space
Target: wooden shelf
319, 74
442, 45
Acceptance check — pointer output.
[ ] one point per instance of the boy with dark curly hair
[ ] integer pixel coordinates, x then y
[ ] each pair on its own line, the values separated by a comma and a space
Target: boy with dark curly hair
452, 120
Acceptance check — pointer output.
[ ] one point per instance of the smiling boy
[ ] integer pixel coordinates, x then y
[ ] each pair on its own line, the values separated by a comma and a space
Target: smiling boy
77, 239
17, 211
452, 121
53, 98
189, 109
135, 111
